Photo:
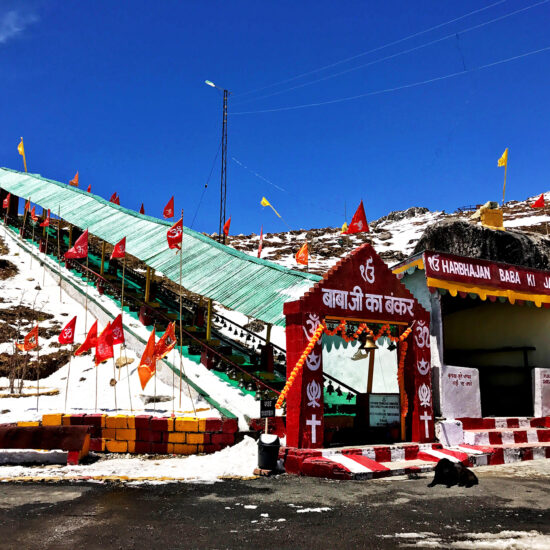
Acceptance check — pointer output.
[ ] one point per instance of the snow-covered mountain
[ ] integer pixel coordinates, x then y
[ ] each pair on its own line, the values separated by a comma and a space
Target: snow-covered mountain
394, 236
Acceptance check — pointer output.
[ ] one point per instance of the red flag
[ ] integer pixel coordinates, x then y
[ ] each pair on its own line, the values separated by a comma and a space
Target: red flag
175, 235
226, 226
28, 205
302, 256
30, 341
147, 365
34, 217
119, 250
89, 188
358, 222
168, 211
104, 347
6, 202
80, 248
117, 330
117, 200
74, 181
67, 334
114, 198
46, 222
539, 203
142, 209
90, 342
261, 241
167, 343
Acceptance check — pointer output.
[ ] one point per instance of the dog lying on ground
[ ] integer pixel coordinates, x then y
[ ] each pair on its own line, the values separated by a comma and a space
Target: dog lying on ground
453, 473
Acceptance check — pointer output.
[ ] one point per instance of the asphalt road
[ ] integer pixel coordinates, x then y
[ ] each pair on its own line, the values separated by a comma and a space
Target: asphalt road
282, 512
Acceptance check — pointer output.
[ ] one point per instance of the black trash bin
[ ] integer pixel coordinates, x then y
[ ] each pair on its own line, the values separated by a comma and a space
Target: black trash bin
268, 452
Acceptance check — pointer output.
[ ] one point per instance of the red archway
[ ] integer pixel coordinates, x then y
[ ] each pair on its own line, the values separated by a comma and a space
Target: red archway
360, 286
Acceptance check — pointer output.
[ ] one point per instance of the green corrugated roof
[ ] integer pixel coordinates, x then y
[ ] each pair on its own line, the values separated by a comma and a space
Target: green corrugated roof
257, 288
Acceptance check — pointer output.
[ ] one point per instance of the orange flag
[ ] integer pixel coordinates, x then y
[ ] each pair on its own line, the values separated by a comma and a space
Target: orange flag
147, 365
34, 217
90, 342
74, 181
167, 342
28, 205
30, 341
302, 256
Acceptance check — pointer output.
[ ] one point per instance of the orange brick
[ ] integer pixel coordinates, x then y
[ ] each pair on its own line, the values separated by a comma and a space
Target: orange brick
171, 424
131, 422
176, 437
28, 423
108, 433
66, 421
131, 446
52, 420
116, 446
118, 421
202, 424
200, 449
187, 424
185, 449
195, 439
170, 448
126, 434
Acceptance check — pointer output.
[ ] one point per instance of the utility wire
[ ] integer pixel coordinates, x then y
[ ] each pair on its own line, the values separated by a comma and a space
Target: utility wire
378, 48
387, 90
397, 54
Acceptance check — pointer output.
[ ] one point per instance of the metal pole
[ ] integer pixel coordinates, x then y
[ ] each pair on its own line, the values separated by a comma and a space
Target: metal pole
114, 379
223, 182
59, 249
86, 302
67, 385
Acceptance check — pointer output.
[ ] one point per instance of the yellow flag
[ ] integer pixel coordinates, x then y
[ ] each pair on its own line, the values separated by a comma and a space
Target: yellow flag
21, 148
503, 160
265, 202
344, 227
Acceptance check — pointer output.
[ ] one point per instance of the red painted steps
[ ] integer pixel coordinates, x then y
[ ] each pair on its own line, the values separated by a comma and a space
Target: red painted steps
503, 436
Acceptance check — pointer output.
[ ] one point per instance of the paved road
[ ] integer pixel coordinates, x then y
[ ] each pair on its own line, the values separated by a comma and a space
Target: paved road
282, 512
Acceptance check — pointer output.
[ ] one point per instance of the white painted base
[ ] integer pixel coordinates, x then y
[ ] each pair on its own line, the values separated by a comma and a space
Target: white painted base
449, 432
459, 392
541, 391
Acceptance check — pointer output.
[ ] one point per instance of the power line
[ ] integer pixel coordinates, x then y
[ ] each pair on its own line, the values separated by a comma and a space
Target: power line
378, 48
395, 89
397, 54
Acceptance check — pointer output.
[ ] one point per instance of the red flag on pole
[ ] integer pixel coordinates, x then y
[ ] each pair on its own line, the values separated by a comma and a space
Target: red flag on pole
89, 188
80, 248
66, 336
119, 250
34, 217
114, 198
302, 255
358, 222
174, 235
147, 365
167, 342
30, 341
539, 203
28, 205
226, 227
142, 209
117, 330
90, 342
261, 241
168, 211
104, 347
117, 200
6, 202
46, 222
74, 181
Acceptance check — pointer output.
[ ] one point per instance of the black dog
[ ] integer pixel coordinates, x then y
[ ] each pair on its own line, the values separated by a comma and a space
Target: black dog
453, 473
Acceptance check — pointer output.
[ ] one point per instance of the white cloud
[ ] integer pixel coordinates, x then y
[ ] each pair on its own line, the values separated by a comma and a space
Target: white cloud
14, 22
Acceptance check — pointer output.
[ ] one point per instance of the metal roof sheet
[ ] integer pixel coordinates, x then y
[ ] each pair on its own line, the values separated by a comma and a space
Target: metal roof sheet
257, 288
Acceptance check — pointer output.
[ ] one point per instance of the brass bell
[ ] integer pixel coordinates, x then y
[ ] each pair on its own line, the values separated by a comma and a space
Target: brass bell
370, 343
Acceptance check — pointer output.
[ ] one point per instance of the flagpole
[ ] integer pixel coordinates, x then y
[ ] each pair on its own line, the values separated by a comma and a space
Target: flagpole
128, 377
46, 254
114, 380
95, 385
181, 309
37, 373
173, 390
86, 300
23, 155
32, 241
504, 186
24, 219
59, 250
67, 384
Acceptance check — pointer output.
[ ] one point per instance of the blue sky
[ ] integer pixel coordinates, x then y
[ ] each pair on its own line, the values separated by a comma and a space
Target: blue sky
116, 91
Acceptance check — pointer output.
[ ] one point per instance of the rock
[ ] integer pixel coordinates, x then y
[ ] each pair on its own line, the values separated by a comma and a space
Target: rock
123, 361
384, 235
154, 399
402, 214
466, 239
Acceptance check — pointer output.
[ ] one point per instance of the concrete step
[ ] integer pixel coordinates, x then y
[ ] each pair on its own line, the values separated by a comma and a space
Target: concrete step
517, 452
500, 436
490, 423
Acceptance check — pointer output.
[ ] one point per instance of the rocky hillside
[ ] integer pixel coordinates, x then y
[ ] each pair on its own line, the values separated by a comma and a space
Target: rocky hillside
394, 236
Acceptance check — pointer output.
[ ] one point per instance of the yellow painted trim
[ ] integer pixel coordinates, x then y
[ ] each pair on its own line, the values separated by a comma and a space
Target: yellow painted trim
483, 292
417, 263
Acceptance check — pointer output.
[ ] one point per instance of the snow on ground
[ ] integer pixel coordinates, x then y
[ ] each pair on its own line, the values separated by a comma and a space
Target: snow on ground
82, 392
239, 460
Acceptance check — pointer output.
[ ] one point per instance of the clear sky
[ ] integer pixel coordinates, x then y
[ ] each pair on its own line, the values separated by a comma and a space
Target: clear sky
116, 91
